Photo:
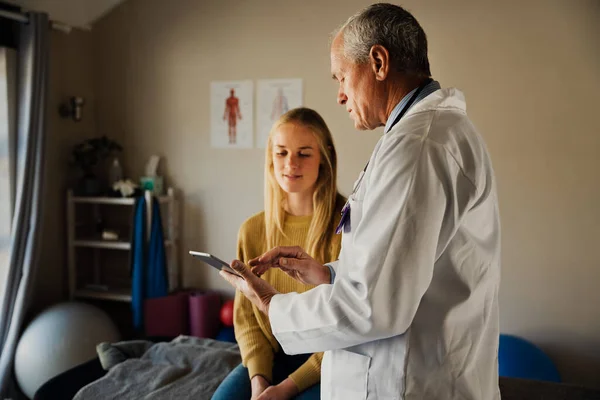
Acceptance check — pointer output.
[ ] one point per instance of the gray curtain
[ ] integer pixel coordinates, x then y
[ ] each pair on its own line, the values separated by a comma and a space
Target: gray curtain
28, 155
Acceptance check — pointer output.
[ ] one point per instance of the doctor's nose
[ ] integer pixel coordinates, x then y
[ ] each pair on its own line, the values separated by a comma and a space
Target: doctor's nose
341, 97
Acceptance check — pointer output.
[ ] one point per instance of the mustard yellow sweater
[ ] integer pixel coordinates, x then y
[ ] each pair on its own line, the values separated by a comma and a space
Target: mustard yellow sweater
252, 328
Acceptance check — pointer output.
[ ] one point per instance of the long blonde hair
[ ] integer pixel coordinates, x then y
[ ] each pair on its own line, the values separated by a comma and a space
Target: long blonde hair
326, 198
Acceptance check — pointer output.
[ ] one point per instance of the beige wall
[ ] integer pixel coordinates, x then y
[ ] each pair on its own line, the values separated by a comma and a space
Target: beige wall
70, 74
529, 71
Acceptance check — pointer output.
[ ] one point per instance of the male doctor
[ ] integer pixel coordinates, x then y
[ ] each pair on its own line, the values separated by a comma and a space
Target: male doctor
410, 309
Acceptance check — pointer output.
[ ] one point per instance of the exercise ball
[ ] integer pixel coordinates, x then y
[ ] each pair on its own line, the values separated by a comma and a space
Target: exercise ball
519, 358
60, 338
227, 313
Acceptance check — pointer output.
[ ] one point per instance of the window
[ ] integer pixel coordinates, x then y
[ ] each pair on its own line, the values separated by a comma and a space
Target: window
7, 142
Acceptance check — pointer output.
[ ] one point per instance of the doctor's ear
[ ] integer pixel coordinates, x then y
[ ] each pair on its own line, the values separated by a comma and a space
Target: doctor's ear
379, 59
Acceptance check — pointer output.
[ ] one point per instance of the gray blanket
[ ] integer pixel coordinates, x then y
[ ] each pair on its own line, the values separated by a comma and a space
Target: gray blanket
185, 368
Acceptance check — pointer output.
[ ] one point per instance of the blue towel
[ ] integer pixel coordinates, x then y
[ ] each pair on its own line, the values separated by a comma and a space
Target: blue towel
148, 261
157, 282
138, 260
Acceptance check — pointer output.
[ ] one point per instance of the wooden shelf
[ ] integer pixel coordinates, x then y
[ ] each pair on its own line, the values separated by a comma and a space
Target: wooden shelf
109, 244
126, 201
103, 244
83, 242
123, 295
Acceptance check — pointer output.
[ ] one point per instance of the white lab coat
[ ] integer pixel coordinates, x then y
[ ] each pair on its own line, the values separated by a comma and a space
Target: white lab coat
413, 311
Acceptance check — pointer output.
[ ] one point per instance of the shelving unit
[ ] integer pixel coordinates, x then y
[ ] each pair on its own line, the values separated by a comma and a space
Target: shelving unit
84, 241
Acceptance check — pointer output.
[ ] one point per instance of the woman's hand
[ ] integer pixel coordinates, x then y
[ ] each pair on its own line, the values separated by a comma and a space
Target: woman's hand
293, 261
259, 384
284, 391
257, 290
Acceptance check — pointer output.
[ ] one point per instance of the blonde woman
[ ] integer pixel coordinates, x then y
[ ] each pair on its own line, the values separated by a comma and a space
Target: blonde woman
302, 208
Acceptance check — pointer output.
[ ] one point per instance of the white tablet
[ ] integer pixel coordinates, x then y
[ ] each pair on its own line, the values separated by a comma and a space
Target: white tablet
214, 262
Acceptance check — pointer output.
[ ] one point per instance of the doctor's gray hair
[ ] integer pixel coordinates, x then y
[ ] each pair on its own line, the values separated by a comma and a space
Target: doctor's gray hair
392, 27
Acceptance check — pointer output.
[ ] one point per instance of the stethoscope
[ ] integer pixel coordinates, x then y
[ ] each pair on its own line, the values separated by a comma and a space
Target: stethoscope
345, 220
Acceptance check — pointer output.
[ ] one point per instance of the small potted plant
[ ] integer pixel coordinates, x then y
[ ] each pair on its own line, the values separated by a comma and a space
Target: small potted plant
85, 157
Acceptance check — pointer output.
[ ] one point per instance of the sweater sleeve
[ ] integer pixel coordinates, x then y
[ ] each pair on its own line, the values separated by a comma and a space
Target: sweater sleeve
257, 353
309, 373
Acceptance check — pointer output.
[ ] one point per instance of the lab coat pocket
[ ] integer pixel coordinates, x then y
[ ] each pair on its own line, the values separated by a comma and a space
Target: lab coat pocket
349, 373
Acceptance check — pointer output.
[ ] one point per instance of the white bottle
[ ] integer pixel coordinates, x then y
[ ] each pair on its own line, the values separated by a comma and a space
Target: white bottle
115, 173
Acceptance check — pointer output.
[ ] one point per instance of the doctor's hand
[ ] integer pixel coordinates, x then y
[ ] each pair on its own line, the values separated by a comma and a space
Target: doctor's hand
293, 261
257, 290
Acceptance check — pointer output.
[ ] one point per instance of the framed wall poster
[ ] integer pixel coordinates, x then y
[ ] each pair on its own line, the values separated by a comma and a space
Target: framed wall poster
274, 98
231, 114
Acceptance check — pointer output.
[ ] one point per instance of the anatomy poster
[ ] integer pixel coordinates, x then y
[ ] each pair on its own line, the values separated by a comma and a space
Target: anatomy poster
274, 98
231, 114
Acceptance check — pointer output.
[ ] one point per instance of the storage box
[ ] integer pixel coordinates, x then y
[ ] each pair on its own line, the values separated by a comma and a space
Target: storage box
167, 316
